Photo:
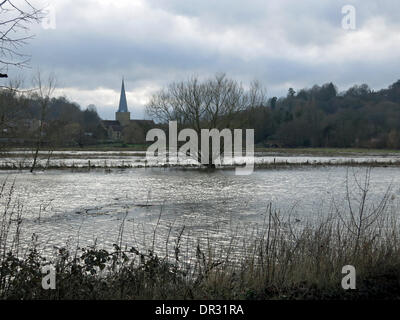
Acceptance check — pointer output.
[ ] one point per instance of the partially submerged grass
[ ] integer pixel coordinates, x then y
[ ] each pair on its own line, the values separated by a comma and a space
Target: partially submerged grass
95, 147
285, 260
122, 158
127, 163
329, 151
286, 151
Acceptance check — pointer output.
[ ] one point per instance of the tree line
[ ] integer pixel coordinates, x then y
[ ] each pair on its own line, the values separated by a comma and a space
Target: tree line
323, 117
320, 116
64, 123
317, 117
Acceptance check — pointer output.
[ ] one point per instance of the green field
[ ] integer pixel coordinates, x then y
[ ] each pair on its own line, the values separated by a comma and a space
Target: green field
278, 151
328, 151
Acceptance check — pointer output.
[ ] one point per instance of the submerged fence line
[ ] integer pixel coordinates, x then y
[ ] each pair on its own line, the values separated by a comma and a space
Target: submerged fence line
262, 162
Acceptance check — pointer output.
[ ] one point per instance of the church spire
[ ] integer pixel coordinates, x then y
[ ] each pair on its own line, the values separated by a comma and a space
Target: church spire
123, 106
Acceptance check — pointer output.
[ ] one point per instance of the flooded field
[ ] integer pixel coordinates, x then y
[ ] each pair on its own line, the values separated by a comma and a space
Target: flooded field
155, 206
137, 159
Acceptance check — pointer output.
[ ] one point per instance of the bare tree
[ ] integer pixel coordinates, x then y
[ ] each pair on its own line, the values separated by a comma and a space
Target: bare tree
44, 91
15, 18
12, 110
215, 103
362, 214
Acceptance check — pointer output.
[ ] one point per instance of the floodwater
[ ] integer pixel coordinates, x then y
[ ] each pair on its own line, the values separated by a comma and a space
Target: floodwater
156, 205
136, 159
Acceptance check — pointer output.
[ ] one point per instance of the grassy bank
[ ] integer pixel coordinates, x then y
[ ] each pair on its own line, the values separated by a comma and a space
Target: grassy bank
285, 261
284, 151
95, 147
329, 151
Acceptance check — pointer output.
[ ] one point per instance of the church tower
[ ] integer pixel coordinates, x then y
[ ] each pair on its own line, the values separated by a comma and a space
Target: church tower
123, 115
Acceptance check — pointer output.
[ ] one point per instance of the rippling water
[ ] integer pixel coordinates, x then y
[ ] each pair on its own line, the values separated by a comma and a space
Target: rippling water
62, 206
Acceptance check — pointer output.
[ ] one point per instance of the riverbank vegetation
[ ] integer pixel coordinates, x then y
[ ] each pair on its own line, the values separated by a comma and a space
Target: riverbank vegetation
287, 259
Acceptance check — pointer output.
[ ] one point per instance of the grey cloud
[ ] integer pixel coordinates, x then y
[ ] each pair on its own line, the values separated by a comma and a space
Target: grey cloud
170, 40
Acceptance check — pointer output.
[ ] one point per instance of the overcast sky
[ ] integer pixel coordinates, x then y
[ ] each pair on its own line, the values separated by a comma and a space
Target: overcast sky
285, 43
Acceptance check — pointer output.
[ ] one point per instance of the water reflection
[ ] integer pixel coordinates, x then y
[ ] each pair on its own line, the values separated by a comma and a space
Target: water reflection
63, 207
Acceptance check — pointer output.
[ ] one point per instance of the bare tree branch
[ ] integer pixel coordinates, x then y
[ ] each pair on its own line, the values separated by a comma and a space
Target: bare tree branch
45, 91
15, 19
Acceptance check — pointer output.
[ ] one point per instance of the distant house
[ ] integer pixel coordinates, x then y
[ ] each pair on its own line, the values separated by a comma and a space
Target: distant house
125, 129
114, 129
20, 127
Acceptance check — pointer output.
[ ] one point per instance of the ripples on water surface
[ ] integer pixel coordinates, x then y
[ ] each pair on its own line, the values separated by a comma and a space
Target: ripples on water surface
62, 206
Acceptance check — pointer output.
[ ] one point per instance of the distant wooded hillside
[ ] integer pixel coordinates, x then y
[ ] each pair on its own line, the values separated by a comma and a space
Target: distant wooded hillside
315, 117
322, 117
